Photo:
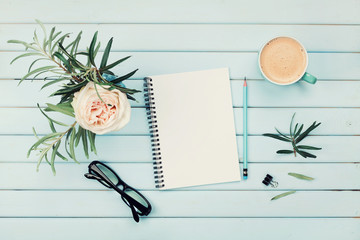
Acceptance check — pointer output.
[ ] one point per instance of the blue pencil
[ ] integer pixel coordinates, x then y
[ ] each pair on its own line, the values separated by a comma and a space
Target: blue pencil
245, 168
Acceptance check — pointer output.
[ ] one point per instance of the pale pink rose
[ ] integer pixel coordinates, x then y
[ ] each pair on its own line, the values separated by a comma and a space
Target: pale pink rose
94, 115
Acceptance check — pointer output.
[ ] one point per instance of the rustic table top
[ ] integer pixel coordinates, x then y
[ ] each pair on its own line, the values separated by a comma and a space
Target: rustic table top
177, 36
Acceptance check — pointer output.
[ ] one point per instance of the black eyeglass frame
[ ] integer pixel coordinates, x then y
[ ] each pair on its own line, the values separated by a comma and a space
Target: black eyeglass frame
101, 177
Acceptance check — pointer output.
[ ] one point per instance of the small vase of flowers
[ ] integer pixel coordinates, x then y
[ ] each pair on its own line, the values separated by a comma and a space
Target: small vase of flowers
90, 93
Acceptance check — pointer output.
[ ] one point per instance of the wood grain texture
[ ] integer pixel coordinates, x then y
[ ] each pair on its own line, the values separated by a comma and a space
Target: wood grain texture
322, 65
202, 11
180, 228
335, 121
178, 36
261, 94
70, 176
203, 37
138, 149
166, 204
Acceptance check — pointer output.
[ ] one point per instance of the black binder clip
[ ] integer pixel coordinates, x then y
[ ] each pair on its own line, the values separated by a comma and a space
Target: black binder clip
268, 180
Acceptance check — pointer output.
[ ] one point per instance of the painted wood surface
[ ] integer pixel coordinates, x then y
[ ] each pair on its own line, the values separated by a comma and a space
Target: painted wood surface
224, 37
177, 11
127, 149
338, 93
327, 66
176, 36
182, 228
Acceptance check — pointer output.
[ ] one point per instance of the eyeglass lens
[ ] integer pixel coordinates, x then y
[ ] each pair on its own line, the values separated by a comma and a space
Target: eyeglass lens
136, 196
109, 174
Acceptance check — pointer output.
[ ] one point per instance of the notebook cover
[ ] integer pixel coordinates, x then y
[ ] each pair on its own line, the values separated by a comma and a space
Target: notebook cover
196, 130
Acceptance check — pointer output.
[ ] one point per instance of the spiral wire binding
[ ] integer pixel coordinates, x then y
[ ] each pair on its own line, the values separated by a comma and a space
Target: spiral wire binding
154, 132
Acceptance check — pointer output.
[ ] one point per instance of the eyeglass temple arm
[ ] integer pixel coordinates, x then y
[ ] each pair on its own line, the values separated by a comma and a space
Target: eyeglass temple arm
134, 213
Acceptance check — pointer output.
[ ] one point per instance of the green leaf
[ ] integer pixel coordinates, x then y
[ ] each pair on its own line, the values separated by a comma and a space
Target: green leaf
130, 97
52, 127
34, 132
59, 41
63, 59
307, 131
46, 158
51, 38
106, 53
300, 176
296, 126
306, 154
308, 147
122, 78
36, 71
60, 108
282, 134
78, 135
76, 44
85, 144
44, 31
114, 64
283, 195
276, 137
41, 157
26, 45
72, 145
39, 73
36, 38
82, 53
49, 83
127, 90
70, 89
96, 50
32, 64
299, 131
75, 62
53, 154
91, 49
291, 123
26, 55
284, 151
91, 137
61, 156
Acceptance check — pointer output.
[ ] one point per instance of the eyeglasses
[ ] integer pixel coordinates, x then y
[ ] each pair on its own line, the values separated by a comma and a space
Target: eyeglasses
138, 204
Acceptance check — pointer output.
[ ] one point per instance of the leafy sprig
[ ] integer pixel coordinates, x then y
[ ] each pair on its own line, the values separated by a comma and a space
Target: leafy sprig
295, 137
64, 67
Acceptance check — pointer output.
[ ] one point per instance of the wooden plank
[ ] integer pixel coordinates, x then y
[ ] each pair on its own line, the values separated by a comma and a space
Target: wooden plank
202, 11
335, 121
204, 37
180, 228
327, 176
240, 64
261, 94
181, 204
138, 149
31, 93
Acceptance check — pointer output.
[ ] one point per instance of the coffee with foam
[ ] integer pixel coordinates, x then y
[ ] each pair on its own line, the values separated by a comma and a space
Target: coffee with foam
283, 60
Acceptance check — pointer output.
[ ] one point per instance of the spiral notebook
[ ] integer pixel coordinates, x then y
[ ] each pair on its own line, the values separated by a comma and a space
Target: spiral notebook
192, 128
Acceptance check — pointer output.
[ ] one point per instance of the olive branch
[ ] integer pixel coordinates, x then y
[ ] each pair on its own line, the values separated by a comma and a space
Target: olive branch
296, 136
64, 67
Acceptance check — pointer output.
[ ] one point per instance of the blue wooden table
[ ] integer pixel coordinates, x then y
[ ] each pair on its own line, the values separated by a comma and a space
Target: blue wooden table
177, 36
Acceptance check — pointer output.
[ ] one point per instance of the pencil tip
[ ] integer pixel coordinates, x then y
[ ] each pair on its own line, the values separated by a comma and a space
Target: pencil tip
245, 84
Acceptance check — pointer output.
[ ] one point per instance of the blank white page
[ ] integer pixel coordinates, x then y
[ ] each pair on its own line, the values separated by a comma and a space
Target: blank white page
196, 128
